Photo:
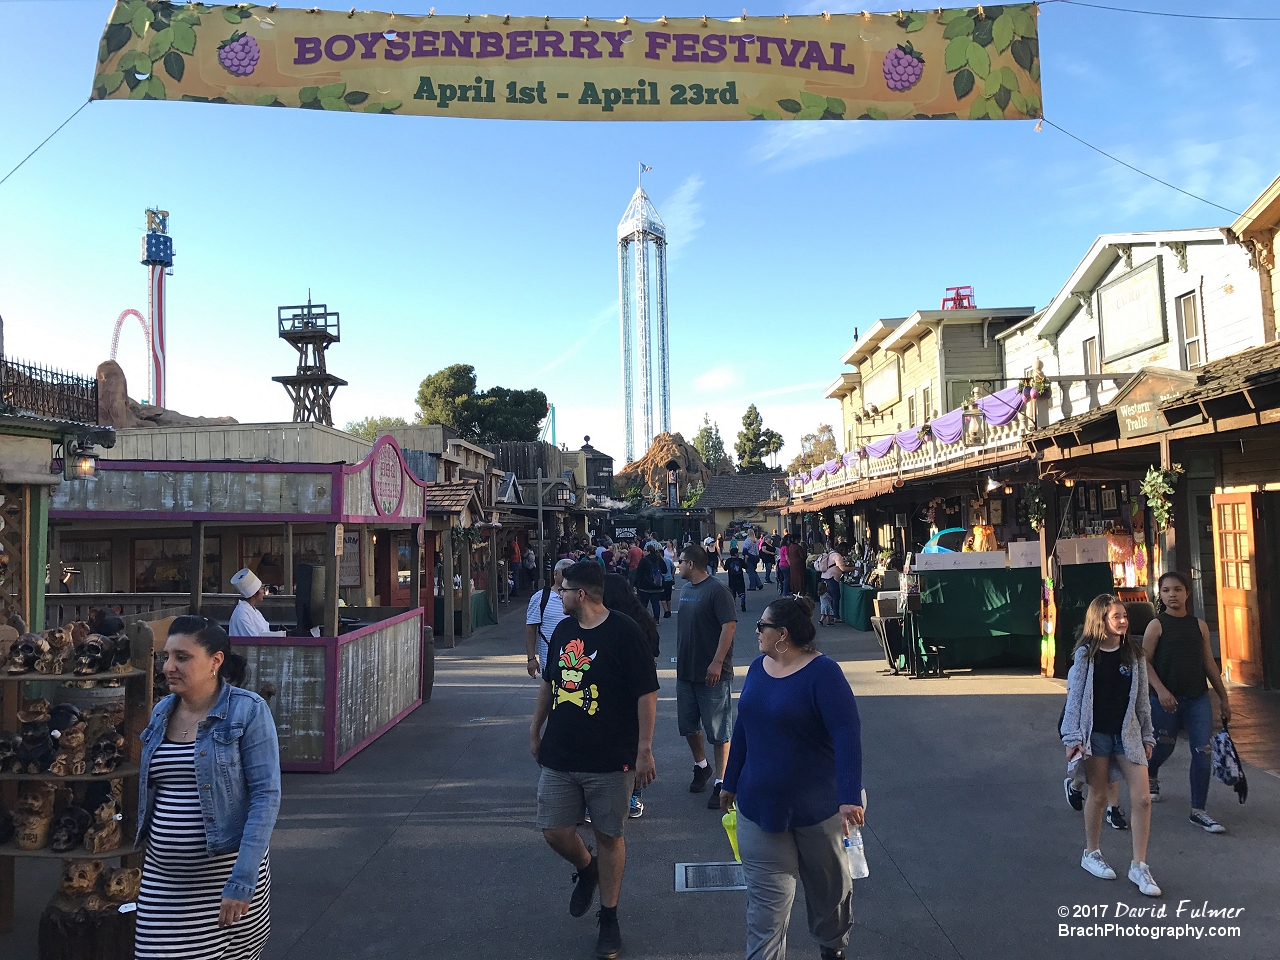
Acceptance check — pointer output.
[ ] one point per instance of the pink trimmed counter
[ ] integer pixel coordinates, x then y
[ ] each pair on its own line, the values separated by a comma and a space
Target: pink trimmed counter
336, 695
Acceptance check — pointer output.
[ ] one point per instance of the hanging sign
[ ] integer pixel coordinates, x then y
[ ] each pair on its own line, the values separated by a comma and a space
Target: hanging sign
972, 63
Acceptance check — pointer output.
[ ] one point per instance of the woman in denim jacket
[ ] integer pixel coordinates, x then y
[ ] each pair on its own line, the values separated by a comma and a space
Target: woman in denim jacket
210, 791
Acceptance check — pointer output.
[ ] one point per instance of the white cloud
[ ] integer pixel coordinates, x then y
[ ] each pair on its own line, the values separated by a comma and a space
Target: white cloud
603, 317
788, 144
682, 213
718, 378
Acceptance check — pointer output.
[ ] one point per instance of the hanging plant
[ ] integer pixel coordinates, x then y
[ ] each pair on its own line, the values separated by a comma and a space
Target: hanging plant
468, 535
1036, 387
1157, 488
925, 433
1033, 494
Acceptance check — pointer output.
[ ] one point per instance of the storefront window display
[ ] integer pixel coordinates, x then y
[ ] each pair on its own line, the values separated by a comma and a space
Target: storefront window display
265, 555
161, 565
86, 567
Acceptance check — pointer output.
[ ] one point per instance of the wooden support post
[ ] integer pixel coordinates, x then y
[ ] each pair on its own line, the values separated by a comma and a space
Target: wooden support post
429, 540
38, 550
287, 561
464, 569
492, 588
195, 566
333, 538
446, 584
367, 587
415, 564
1049, 609
1168, 540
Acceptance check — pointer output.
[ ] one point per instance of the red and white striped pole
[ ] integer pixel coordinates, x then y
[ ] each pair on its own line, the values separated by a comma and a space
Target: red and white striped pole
157, 254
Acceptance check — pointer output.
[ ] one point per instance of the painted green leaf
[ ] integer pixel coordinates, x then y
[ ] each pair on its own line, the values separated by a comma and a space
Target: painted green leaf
397, 104
333, 90
1034, 108
754, 110
1010, 78
1002, 32
266, 100
174, 65
812, 100
111, 81
957, 54
1019, 102
372, 107
959, 27
875, 113
1002, 98
355, 97
142, 18
307, 94
994, 110
770, 115
810, 113
954, 13
103, 53
160, 43
138, 92
979, 62
963, 83
1021, 51
979, 110
791, 106
184, 38
334, 103
992, 84
1034, 72
915, 21
836, 106
1024, 22
189, 17
155, 87
982, 32
123, 13
231, 15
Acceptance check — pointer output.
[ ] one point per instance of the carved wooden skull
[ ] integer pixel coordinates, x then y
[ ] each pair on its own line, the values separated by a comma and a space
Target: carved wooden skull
69, 829
94, 654
24, 653
106, 754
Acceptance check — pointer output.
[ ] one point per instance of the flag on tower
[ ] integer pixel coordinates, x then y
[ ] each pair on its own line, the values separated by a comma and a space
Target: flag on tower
644, 169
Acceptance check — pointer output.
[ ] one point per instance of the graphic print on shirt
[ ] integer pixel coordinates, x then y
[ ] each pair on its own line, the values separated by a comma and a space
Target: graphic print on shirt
574, 663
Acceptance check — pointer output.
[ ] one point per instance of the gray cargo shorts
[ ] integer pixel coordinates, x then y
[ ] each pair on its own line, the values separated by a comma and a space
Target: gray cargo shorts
565, 796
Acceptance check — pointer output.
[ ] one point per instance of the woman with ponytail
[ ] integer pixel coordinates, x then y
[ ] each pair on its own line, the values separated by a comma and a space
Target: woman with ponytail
795, 774
209, 790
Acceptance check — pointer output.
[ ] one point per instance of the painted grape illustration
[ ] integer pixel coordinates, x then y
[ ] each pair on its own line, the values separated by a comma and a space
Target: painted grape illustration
903, 67
239, 54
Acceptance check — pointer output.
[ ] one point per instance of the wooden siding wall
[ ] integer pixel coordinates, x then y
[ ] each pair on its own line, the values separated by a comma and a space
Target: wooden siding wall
164, 493
298, 706
428, 437
379, 676
525, 459
1258, 463
281, 442
357, 496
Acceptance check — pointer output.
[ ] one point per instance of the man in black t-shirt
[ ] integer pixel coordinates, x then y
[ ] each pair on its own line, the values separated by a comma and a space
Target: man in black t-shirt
598, 699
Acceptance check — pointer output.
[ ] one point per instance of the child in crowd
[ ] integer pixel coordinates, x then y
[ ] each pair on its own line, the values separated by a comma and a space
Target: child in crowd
737, 571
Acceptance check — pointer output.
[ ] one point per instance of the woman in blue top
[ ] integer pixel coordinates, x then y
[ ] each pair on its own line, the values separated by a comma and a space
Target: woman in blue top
795, 774
210, 790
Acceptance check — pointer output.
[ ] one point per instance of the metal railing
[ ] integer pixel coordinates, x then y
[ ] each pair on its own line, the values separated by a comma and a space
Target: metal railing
49, 393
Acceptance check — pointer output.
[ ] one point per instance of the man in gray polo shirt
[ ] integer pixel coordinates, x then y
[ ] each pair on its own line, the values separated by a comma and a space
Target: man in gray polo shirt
704, 668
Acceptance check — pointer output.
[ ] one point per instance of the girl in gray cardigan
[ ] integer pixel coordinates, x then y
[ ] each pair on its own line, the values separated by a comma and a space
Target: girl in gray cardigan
1108, 721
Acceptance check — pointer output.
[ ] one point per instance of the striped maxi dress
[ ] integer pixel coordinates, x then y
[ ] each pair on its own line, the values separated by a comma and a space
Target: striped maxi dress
181, 893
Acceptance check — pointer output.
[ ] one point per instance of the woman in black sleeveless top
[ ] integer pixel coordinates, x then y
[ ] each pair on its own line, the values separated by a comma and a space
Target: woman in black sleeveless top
1181, 669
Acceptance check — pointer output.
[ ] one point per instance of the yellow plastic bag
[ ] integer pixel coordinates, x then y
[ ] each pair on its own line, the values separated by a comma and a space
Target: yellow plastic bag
730, 821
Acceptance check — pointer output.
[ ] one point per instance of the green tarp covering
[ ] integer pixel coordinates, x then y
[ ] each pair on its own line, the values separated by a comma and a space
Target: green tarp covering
855, 606
982, 615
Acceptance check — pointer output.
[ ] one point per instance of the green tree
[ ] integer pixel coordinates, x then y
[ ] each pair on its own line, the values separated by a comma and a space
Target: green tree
753, 444
449, 396
710, 446
773, 443
815, 448
371, 428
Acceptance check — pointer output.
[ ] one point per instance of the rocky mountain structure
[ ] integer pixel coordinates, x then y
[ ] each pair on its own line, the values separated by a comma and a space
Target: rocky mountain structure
117, 409
650, 471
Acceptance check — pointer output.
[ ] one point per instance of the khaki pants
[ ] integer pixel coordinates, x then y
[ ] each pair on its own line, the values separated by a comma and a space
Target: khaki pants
772, 862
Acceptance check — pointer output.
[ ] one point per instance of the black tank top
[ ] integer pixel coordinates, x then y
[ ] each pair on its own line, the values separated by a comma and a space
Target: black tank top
1179, 656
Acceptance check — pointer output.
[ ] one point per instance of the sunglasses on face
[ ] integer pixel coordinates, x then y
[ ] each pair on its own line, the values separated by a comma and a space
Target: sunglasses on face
762, 625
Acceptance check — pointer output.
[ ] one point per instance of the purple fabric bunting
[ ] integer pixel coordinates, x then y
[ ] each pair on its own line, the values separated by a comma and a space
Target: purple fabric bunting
948, 428
816, 472
850, 459
831, 466
880, 448
908, 441
1002, 406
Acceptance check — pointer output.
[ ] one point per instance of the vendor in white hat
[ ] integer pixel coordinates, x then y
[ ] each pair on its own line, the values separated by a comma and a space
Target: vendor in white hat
246, 621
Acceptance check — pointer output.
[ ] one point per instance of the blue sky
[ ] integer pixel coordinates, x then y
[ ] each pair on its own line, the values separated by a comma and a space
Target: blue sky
493, 242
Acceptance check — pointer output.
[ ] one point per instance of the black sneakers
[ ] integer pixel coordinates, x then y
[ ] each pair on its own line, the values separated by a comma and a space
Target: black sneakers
1115, 819
609, 942
1074, 797
584, 891
700, 777
828, 953
713, 801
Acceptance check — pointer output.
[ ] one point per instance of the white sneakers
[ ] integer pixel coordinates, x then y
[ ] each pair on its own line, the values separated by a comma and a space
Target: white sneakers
1140, 874
1093, 862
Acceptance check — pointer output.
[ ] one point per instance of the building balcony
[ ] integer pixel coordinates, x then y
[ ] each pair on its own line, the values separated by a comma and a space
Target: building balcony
50, 394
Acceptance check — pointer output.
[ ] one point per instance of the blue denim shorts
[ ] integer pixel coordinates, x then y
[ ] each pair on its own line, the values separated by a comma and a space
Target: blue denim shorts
711, 707
1106, 745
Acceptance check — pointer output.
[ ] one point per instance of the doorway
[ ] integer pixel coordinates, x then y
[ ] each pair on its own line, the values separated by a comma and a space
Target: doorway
1204, 576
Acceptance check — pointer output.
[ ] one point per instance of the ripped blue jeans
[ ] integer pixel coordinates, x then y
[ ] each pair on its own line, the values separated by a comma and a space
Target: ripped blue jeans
1195, 715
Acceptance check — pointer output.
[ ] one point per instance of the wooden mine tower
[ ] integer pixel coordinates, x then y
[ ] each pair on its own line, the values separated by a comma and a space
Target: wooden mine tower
310, 329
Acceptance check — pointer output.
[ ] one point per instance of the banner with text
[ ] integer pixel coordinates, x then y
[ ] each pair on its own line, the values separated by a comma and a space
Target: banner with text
976, 63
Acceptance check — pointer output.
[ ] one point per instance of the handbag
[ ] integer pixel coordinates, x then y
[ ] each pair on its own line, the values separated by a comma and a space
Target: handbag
730, 821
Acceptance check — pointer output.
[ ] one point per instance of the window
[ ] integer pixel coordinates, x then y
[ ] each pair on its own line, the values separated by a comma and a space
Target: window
1191, 334
926, 402
161, 565
911, 409
1090, 351
1234, 546
265, 555
86, 566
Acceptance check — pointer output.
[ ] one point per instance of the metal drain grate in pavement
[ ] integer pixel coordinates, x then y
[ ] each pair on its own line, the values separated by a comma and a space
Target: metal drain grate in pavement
700, 877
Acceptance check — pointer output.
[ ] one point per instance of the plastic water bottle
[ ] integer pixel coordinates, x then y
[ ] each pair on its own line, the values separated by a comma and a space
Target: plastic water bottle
857, 856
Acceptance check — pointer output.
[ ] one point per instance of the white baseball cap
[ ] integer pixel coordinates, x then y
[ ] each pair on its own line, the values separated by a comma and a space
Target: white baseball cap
246, 583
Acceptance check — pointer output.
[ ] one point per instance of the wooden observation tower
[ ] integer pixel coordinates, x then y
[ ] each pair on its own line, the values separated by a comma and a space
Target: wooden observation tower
310, 329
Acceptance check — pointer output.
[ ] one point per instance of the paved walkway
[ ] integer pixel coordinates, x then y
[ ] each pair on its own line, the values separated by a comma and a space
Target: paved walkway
424, 845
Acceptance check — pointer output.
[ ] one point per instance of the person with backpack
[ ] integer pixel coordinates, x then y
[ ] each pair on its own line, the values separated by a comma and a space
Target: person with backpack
831, 565
768, 557
530, 564
1107, 722
541, 618
648, 579
1182, 668
668, 578
735, 568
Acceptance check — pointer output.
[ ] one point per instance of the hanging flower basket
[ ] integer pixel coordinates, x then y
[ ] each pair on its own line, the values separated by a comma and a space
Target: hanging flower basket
1157, 488
1036, 506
